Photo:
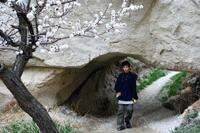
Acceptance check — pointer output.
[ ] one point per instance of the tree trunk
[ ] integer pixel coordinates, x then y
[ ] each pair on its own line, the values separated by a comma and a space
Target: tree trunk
26, 101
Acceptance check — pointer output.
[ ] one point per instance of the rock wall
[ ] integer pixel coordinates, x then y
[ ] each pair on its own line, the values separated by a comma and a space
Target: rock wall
186, 95
97, 95
165, 34
53, 86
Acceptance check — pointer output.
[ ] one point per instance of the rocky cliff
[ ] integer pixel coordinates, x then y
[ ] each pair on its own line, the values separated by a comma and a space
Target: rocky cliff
164, 34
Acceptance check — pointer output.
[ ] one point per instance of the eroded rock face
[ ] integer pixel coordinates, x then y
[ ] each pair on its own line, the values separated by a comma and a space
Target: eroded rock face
97, 95
42, 82
191, 113
187, 95
165, 34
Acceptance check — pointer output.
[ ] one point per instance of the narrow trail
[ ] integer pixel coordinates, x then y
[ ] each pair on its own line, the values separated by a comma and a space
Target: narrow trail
149, 115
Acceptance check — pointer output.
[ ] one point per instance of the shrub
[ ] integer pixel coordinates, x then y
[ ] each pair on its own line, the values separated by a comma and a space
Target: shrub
191, 123
193, 127
171, 87
150, 78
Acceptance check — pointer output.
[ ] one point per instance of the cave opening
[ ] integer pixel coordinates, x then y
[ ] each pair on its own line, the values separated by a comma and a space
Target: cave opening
95, 94
93, 87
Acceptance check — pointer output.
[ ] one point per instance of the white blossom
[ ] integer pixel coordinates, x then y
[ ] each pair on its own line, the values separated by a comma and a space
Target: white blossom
71, 35
141, 6
21, 52
22, 3
40, 3
30, 15
40, 28
117, 31
56, 21
58, 2
77, 4
108, 26
65, 46
37, 43
124, 4
33, 47
54, 48
101, 13
17, 52
96, 36
94, 30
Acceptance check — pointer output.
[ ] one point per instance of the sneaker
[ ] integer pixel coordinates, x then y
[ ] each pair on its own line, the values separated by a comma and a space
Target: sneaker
128, 125
120, 128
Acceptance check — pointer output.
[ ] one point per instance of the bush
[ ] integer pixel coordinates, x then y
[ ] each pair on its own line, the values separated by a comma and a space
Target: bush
177, 83
171, 87
150, 78
193, 127
191, 123
31, 127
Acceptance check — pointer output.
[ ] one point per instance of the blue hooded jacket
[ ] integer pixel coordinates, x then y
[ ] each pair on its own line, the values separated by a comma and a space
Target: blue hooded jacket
126, 84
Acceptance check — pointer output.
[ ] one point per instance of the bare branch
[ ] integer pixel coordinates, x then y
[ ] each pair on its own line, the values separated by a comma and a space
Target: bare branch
25, 27
7, 49
30, 27
8, 39
65, 2
17, 8
41, 7
3, 1
23, 21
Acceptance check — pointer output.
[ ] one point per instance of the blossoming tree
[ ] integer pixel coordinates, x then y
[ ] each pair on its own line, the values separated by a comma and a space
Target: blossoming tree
26, 25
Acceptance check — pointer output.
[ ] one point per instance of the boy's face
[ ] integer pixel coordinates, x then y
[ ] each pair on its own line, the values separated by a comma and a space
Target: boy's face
126, 69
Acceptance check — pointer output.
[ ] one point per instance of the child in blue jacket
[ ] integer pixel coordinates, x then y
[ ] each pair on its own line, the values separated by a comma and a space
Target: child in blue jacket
126, 94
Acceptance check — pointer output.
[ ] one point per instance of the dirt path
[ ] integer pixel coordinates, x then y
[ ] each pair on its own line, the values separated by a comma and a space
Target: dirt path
149, 115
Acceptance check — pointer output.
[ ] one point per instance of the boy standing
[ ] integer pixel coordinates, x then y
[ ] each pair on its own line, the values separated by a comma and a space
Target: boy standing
126, 94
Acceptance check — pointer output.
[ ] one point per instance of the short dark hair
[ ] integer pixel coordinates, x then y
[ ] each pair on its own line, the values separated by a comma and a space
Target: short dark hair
126, 63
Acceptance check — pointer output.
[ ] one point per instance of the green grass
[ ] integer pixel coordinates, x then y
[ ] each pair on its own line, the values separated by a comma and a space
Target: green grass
150, 78
194, 127
171, 88
31, 127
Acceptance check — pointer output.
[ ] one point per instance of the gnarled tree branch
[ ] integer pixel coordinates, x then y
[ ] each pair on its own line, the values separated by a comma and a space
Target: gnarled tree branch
25, 27
3, 1
8, 39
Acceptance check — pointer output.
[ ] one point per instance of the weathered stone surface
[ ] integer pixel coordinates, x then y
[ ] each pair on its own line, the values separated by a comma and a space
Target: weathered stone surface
165, 34
191, 114
97, 95
186, 95
42, 82
5, 95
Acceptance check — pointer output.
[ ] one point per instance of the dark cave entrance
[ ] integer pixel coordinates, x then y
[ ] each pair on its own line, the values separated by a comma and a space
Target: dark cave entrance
93, 86
96, 95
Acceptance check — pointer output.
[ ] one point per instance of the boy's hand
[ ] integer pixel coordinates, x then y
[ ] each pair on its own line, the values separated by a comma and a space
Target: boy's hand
118, 94
134, 100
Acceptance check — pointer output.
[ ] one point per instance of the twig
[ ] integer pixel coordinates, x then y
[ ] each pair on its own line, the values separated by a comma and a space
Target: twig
8, 39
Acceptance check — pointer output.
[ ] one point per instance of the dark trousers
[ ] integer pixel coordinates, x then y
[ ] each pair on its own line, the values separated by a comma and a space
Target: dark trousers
124, 114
